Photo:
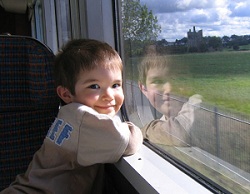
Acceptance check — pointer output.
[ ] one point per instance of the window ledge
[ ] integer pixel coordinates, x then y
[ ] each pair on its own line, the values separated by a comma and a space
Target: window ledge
149, 173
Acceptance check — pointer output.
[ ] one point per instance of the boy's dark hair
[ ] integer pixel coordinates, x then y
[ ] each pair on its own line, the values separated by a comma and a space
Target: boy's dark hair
150, 62
83, 55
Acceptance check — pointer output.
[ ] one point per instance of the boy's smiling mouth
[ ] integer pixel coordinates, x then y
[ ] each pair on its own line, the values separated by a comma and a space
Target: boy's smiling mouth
105, 109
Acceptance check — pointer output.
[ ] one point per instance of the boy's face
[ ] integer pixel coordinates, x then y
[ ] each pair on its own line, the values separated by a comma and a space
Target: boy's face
100, 89
157, 89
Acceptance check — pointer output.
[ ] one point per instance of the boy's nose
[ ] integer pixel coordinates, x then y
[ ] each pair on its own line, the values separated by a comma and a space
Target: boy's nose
166, 88
108, 94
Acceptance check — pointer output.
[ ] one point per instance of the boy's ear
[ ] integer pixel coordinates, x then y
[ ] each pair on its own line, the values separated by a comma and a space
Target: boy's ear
64, 94
143, 89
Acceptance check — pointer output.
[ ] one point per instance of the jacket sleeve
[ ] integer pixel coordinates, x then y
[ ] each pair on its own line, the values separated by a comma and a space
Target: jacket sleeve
166, 133
102, 139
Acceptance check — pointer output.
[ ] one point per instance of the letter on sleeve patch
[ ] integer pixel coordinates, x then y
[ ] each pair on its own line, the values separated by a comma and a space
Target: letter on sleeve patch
54, 129
57, 136
65, 134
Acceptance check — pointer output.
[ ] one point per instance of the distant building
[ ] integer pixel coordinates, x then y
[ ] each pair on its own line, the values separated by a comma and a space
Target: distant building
194, 39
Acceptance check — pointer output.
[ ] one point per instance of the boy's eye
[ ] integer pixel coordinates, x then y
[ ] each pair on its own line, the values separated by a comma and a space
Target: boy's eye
159, 81
116, 85
94, 86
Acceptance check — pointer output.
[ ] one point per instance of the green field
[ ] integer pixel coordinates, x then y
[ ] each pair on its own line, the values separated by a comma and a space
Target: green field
222, 78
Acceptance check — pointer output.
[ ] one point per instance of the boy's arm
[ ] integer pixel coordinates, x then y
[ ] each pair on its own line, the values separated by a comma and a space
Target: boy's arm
135, 140
174, 130
166, 133
102, 139
186, 115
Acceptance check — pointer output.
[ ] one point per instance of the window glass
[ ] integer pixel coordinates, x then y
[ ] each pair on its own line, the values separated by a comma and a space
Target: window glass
187, 70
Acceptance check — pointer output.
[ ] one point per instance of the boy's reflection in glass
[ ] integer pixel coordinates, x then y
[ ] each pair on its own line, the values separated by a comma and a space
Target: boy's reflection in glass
157, 89
154, 81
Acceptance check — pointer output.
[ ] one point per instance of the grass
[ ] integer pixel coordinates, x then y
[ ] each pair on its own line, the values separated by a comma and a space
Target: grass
222, 78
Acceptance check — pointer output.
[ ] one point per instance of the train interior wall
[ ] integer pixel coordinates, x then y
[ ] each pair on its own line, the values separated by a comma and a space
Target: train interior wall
14, 23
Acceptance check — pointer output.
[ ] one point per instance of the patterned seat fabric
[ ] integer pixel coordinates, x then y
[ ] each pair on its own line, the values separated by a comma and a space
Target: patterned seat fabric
28, 102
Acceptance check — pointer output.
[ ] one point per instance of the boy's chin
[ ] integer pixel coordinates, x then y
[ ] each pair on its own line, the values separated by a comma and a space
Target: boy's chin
111, 113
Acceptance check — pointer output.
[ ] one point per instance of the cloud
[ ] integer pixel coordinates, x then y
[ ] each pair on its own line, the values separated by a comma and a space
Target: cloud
214, 17
203, 16
240, 9
170, 6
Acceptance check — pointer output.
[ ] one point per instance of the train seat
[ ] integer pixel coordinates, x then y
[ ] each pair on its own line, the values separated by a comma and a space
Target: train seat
28, 102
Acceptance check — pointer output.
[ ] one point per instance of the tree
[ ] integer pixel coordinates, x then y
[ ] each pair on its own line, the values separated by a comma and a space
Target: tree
215, 42
140, 26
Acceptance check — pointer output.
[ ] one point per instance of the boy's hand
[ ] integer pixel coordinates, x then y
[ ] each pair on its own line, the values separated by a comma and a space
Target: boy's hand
135, 139
196, 99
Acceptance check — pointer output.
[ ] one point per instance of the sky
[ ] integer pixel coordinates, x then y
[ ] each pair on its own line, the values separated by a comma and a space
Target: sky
213, 17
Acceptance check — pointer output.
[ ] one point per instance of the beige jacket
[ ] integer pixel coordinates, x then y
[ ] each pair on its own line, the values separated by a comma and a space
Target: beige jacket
70, 159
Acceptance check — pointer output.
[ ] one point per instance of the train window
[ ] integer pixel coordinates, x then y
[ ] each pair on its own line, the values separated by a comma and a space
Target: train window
188, 84
39, 25
56, 22
63, 21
